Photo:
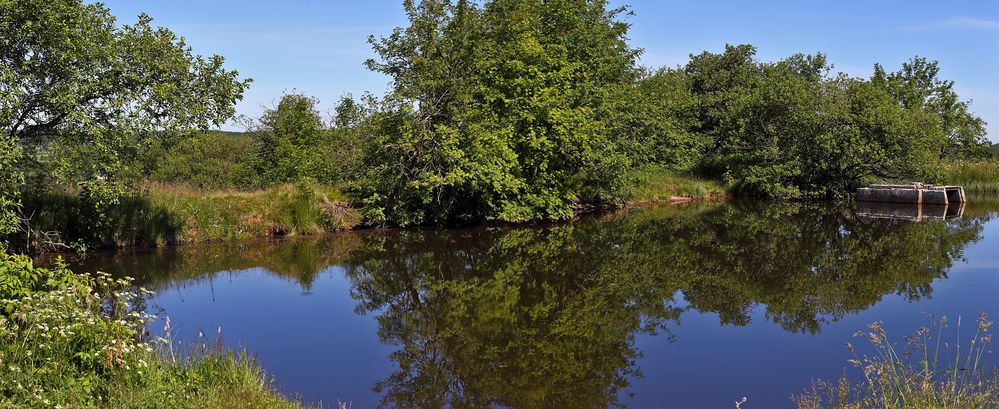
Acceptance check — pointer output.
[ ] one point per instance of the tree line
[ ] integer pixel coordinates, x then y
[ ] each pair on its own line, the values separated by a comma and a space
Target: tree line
506, 110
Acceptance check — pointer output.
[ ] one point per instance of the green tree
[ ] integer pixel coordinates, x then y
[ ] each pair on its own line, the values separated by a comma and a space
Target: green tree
294, 141
9, 180
496, 111
791, 128
917, 86
82, 92
655, 121
207, 160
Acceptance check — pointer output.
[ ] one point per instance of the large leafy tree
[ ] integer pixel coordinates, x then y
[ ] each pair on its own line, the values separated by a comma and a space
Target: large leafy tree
917, 86
791, 128
497, 110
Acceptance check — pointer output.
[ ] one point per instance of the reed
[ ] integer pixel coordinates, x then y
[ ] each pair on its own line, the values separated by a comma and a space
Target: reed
925, 372
976, 177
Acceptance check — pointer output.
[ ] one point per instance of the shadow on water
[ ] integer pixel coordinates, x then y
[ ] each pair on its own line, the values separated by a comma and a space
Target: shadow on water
548, 316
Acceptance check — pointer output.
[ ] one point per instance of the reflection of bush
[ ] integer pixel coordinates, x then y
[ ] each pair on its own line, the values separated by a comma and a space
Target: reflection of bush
297, 259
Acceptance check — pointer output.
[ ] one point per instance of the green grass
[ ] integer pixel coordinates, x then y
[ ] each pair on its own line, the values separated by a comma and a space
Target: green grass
158, 214
976, 177
926, 372
231, 215
654, 185
77, 341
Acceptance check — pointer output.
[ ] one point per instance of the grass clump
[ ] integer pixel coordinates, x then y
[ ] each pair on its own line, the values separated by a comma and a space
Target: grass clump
925, 373
76, 341
651, 184
975, 177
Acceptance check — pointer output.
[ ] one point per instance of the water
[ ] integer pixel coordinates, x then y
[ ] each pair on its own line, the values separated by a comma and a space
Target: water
664, 307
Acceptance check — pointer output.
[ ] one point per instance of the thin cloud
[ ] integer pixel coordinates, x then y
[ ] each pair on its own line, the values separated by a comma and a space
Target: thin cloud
958, 23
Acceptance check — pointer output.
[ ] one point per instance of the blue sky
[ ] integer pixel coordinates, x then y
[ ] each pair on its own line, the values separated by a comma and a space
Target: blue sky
318, 47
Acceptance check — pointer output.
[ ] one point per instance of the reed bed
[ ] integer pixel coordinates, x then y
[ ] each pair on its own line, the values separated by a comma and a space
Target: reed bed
976, 177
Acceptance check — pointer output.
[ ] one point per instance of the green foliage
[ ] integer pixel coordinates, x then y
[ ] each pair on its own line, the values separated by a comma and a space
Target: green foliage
163, 214
19, 278
80, 92
495, 112
656, 121
84, 345
974, 176
206, 160
652, 184
294, 142
790, 129
917, 87
9, 181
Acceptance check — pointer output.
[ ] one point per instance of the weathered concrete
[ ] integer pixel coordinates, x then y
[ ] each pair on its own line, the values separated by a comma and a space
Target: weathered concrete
916, 193
909, 211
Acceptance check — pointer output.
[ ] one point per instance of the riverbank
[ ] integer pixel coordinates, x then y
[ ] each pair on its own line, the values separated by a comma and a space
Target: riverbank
80, 341
160, 214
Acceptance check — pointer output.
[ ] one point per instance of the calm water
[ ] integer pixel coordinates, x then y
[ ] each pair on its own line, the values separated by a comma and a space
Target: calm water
687, 306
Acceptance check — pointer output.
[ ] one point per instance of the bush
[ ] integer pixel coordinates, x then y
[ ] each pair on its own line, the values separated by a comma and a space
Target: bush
211, 160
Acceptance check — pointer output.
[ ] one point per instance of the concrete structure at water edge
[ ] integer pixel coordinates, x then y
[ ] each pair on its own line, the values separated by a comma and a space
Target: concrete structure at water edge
916, 193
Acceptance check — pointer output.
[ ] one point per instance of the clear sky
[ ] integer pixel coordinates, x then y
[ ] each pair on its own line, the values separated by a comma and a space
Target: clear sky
317, 47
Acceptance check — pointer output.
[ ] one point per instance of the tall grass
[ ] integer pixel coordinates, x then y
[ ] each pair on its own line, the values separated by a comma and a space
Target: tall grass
927, 372
656, 185
160, 214
976, 177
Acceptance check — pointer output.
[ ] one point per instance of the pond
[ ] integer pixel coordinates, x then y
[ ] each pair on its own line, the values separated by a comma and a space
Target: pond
687, 306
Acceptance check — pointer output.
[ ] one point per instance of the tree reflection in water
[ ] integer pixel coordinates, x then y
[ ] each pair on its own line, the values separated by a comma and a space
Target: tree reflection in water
547, 317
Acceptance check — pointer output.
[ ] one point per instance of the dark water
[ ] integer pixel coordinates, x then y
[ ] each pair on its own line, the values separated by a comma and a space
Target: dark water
687, 306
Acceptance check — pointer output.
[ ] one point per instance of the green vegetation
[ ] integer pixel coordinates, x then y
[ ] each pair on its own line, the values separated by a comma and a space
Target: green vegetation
929, 373
975, 176
80, 341
506, 110
169, 214
656, 185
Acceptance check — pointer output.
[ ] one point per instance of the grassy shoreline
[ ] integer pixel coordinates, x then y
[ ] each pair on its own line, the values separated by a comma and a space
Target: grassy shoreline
78, 341
161, 214
975, 177
168, 214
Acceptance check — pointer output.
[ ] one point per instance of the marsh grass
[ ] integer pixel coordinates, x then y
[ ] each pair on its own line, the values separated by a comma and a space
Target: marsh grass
78, 341
976, 177
159, 214
656, 185
926, 372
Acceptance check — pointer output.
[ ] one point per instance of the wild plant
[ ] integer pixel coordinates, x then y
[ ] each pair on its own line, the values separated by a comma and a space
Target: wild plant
927, 371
